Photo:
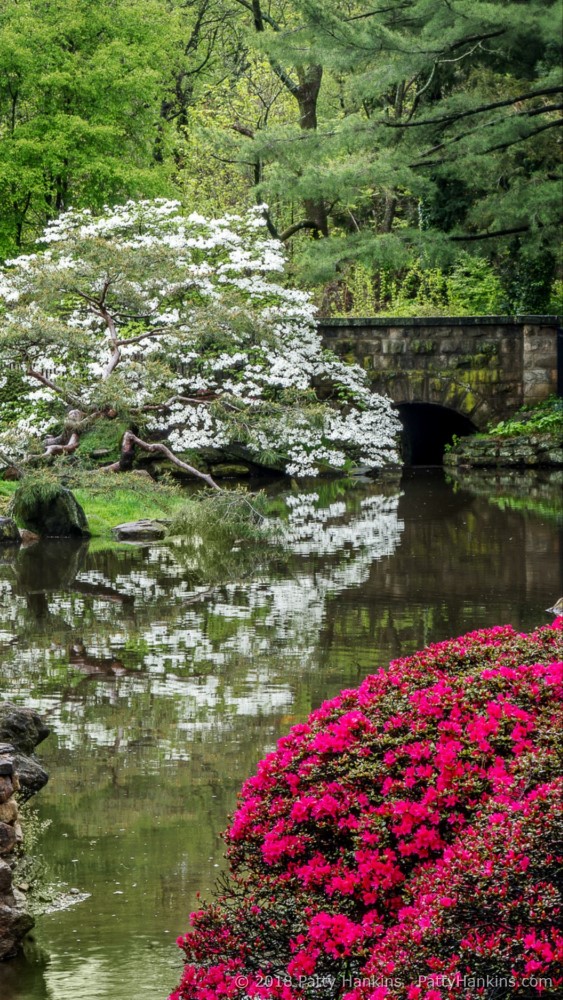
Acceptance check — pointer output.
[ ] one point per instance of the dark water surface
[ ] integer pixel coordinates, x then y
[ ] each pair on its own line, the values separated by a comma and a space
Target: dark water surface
162, 695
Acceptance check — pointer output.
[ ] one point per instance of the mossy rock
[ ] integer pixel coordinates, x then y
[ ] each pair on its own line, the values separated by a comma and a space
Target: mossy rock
51, 511
229, 470
9, 534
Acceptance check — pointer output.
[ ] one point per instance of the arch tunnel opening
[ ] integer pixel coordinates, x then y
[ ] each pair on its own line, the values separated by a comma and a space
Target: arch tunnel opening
427, 429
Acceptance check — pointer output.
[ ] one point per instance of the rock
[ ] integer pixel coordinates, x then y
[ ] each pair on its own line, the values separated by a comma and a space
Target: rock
22, 727
8, 811
229, 470
57, 515
15, 922
9, 533
11, 474
6, 789
28, 537
7, 838
5, 878
32, 777
140, 531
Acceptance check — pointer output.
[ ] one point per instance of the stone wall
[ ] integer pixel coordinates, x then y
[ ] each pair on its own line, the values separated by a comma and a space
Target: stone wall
485, 368
21, 776
537, 450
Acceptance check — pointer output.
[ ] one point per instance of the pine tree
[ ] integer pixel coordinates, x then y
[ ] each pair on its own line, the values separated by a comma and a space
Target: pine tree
437, 128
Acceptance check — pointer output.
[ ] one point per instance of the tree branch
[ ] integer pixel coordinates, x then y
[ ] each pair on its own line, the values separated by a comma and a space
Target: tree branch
142, 336
64, 449
532, 113
496, 233
491, 149
291, 230
127, 448
458, 115
178, 399
67, 396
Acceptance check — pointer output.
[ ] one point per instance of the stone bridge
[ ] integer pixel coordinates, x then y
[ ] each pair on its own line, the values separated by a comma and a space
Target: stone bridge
454, 375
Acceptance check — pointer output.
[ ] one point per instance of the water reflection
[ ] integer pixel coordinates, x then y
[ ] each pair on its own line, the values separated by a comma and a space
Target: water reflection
163, 691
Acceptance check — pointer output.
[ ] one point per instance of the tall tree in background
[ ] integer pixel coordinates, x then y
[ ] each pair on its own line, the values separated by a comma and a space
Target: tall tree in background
81, 86
445, 132
391, 134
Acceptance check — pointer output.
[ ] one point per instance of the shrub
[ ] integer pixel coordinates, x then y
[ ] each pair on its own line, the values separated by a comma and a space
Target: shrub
398, 843
543, 418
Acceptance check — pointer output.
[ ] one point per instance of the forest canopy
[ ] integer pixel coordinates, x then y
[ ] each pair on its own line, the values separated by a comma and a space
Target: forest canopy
390, 143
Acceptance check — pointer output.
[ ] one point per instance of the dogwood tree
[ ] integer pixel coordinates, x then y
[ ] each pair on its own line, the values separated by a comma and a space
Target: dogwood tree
181, 327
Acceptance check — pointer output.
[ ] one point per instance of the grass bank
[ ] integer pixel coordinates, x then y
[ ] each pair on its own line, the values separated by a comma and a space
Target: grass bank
111, 500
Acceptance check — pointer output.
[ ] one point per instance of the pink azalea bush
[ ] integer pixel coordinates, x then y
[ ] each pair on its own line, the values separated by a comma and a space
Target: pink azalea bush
400, 843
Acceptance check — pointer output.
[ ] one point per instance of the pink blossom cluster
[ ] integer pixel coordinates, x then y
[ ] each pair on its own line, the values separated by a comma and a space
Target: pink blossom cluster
399, 845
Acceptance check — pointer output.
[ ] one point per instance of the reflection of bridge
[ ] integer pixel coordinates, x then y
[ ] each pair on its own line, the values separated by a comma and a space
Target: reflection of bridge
482, 368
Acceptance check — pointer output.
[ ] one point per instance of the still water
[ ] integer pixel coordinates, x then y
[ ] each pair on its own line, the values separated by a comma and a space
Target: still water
163, 689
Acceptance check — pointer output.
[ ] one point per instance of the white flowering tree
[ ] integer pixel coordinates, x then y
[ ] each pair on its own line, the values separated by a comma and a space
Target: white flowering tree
179, 326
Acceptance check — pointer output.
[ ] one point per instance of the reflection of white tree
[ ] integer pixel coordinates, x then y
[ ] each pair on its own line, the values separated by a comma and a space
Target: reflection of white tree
269, 627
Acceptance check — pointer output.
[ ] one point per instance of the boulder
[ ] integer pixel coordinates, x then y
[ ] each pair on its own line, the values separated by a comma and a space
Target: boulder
5, 877
32, 777
140, 531
15, 922
57, 514
21, 727
28, 537
7, 838
6, 788
229, 470
9, 534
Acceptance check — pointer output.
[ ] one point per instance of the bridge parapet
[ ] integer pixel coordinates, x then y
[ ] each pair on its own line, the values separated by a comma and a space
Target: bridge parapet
483, 367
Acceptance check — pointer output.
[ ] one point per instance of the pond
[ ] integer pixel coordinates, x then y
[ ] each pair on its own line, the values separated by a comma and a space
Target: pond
162, 692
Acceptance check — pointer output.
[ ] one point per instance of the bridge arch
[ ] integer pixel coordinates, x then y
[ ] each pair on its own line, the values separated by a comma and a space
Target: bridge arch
427, 429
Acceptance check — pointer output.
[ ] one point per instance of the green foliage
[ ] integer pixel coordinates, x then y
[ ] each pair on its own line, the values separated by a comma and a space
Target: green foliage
424, 136
81, 85
38, 487
555, 304
528, 279
30, 867
473, 288
470, 287
223, 535
544, 418
103, 435
108, 499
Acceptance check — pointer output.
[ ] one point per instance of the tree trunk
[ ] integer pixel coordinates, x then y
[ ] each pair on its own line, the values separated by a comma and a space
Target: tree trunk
307, 94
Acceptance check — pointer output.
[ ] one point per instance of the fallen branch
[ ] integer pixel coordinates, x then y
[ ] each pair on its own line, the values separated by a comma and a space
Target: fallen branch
64, 449
130, 441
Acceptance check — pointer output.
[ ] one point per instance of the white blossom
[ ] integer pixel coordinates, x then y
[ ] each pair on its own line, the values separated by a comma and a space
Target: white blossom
198, 308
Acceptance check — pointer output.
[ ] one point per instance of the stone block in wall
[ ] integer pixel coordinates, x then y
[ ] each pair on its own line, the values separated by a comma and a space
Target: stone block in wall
5, 878
9, 811
394, 347
535, 384
6, 788
7, 838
